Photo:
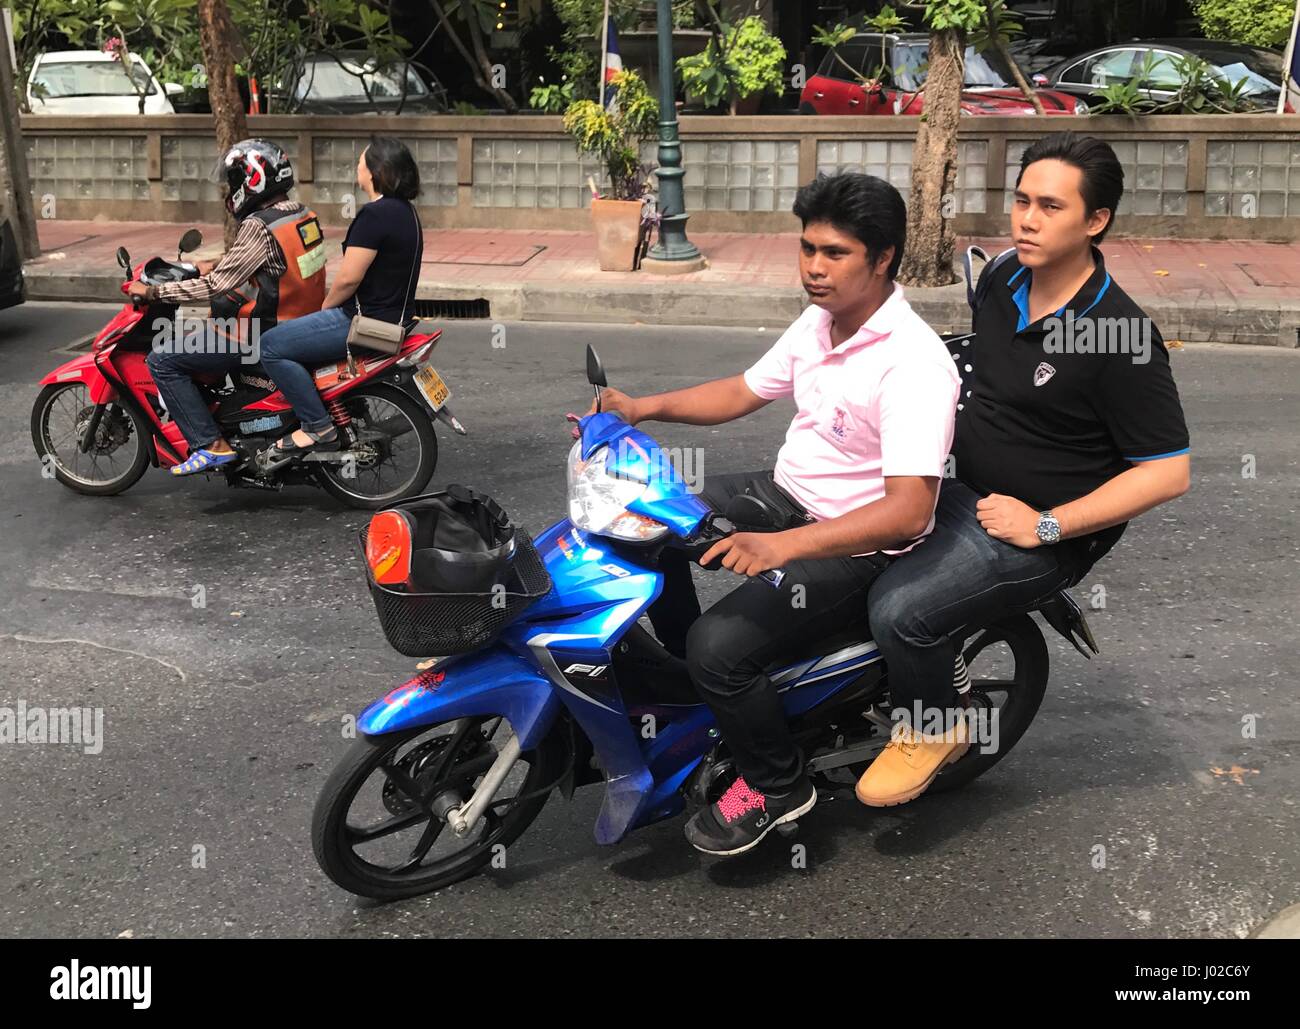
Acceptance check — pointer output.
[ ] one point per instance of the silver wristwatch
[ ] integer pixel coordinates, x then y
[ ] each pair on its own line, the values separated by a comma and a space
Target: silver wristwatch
1049, 529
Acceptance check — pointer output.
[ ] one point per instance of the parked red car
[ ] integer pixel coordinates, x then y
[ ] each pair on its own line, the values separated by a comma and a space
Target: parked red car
901, 62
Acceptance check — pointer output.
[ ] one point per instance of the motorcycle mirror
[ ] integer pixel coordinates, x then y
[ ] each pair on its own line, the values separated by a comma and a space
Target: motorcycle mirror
595, 373
595, 370
123, 258
192, 240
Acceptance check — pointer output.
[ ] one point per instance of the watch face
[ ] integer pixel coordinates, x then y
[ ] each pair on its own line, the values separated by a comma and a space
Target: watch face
1049, 529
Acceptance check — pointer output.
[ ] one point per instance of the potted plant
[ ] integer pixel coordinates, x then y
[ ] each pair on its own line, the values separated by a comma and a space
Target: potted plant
739, 65
615, 137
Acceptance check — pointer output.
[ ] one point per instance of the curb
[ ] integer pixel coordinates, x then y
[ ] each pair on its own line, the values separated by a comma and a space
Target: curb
1204, 319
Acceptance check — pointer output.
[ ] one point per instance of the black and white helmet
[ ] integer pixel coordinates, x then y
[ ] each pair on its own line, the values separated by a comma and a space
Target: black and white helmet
252, 171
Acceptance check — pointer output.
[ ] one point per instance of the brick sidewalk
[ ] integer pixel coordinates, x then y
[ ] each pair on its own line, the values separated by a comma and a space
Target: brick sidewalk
554, 275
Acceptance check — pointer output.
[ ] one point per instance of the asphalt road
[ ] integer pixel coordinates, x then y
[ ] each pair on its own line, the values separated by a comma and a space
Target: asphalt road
222, 722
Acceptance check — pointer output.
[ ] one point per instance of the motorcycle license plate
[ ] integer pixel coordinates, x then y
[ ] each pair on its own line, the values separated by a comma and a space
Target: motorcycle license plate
431, 386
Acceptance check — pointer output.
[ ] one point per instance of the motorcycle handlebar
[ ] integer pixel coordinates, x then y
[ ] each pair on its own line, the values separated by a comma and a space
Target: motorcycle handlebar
718, 528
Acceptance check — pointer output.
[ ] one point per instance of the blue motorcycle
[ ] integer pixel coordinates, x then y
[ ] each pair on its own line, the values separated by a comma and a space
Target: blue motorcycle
557, 684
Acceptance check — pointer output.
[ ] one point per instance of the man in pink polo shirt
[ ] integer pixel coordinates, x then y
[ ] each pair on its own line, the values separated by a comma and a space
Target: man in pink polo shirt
855, 483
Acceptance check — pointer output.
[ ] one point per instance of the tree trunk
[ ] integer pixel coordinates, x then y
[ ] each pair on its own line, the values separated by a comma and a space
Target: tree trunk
478, 60
15, 187
217, 36
485, 65
930, 237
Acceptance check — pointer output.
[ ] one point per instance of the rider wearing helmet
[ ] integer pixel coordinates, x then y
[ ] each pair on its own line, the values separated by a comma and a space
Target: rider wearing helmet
275, 271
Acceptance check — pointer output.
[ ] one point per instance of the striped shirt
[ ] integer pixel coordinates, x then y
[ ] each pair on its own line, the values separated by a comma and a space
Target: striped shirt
254, 248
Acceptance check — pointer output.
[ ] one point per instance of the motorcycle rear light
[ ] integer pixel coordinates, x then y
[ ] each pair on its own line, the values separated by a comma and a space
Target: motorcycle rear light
418, 356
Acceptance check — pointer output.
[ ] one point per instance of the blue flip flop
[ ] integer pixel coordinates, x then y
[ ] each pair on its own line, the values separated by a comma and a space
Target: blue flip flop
202, 461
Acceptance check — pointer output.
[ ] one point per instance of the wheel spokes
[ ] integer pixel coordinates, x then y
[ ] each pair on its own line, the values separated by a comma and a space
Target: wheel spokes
385, 828
427, 839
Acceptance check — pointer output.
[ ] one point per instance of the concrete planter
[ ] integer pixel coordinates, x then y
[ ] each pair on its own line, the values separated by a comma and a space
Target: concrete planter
618, 233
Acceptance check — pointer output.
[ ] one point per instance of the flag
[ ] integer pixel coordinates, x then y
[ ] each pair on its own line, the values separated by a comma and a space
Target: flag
1291, 70
613, 63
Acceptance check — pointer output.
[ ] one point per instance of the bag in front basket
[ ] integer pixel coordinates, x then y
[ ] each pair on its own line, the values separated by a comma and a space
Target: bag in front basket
455, 541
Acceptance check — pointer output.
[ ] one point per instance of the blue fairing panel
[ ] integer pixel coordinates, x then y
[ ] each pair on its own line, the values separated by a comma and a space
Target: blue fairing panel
597, 595
635, 455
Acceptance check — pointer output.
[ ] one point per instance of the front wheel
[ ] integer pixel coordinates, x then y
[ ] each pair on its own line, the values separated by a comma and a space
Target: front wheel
116, 457
380, 828
395, 454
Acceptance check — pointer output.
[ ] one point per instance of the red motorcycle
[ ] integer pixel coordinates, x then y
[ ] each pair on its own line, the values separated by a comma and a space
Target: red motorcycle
99, 421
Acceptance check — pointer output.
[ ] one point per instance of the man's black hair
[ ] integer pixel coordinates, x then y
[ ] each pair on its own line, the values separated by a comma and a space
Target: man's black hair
867, 208
1103, 175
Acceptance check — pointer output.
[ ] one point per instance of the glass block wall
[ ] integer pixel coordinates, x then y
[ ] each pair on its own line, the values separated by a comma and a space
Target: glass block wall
87, 167
891, 160
188, 163
334, 162
1245, 176
741, 175
532, 173
1155, 175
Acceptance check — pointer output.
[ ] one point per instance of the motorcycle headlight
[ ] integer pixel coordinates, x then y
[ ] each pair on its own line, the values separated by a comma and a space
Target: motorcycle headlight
598, 500
1080, 107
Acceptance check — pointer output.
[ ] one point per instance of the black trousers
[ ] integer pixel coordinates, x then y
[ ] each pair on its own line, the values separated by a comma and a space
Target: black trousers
729, 648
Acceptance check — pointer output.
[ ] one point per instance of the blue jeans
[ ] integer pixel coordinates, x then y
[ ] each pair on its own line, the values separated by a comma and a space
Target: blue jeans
310, 340
173, 374
956, 579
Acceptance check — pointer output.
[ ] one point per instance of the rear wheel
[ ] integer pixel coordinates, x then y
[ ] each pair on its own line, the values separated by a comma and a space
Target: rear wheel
116, 458
1008, 666
395, 454
380, 830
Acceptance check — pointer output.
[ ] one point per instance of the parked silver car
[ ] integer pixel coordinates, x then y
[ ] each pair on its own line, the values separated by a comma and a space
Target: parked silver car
338, 84
1085, 75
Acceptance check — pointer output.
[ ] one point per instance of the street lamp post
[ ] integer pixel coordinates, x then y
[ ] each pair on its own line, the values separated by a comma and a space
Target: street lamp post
674, 252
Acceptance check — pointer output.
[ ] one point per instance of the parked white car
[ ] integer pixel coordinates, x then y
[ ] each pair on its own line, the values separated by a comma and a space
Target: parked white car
92, 82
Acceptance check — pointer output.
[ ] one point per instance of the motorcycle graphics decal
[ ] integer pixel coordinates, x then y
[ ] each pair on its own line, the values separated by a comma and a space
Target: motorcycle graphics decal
425, 682
850, 658
539, 645
590, 671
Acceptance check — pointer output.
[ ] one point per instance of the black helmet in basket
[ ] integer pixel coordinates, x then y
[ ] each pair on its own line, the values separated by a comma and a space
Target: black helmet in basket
456, 541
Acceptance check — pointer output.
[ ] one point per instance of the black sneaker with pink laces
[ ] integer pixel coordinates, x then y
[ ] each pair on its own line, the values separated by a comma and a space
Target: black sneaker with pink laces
743, 816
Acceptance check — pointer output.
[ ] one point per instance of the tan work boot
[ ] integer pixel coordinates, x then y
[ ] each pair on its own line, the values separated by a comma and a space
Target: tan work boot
909, 763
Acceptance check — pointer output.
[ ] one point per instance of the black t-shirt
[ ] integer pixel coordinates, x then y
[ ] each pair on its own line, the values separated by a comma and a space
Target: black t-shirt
1062, 405
388, 227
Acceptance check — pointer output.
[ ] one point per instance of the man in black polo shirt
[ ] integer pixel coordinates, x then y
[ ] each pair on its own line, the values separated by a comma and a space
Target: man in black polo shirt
1072, 426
